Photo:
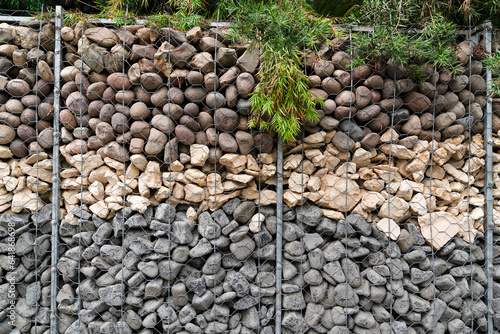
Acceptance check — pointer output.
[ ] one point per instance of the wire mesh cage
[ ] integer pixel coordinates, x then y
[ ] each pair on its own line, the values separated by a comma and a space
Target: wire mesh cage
169, 214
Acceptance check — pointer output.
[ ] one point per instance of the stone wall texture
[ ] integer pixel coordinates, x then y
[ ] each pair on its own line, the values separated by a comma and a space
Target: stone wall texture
168, 208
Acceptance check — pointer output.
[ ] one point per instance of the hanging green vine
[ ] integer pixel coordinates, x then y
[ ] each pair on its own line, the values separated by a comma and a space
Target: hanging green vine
281, 101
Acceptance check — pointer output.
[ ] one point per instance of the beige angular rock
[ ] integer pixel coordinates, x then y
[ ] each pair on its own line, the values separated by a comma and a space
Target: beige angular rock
26, 200
292, 199
396, 209
314, 183
374, 185
214, 184
199, 154
297, 182
390, 136
457, 174
234, 162
152, 175
139, 161
419, 162
316, 138
176, 166
138, 203
371, 200
333, 214
193, 193
10, 182
241, 178
339, 193
438, 228
389, 227
398, 151
100, 209
267, 171
5, 152
361, 158
6, 198
266, 197
86, 164
418, 204
292, 161
97, 190
196, 176
266, 158
255, 222
405, 190
231, 185
345, 169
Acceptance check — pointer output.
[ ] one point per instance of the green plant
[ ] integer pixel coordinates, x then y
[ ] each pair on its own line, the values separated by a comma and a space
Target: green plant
492, 62
430, 40
282, 30
72, 18
7, 6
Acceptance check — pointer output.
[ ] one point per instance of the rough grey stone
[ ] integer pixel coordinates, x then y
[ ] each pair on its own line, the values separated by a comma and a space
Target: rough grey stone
244, 212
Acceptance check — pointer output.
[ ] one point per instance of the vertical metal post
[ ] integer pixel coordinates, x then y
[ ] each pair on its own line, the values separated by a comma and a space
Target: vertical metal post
279, 234
55, 174
489, 187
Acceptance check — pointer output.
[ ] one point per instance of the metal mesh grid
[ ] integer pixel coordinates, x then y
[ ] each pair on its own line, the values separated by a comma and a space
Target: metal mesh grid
26, 76
172, 214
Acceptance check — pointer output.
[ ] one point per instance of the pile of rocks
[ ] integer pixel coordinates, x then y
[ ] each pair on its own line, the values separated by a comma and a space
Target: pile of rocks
352, 274
25, 272
157, 92
168, 272
435, 185
177, 88
26, 92
366, 101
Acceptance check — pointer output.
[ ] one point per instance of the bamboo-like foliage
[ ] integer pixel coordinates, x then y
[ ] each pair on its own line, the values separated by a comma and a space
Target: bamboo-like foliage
281, 101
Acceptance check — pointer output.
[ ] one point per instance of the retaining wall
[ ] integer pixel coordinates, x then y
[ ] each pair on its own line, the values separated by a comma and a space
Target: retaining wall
170, 208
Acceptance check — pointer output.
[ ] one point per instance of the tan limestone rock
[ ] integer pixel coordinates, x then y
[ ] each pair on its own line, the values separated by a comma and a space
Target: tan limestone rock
389, 227
138, 203
195, 176
139, 161
214, 184
396, 209
438, 228
371, 200
292, 161
199, 154
361, 157
100, 209
255, 222
152, 175
419, 162
26, 200
339, 193
297, 182
193, 193
292, 199
398, 151
97, 190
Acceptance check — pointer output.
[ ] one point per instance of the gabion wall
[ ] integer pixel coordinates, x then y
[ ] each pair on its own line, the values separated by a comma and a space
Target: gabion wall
175, 217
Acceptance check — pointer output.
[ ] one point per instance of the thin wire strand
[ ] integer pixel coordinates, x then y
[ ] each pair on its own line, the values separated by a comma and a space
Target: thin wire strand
124, 121
347, 149
80, 220
37, 172
469, 122
215, 165
433, 253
